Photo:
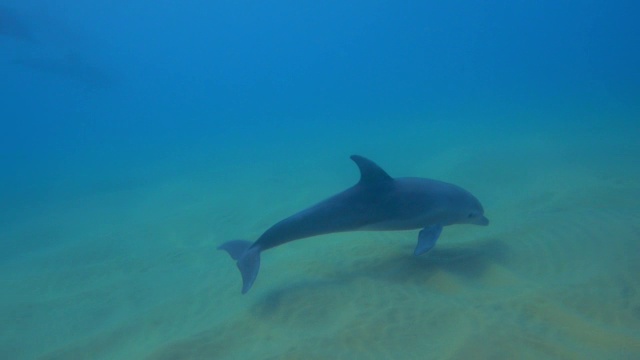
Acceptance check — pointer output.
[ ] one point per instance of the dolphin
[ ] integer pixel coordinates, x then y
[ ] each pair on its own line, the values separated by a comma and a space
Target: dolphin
71, 66
377, 202
11, 25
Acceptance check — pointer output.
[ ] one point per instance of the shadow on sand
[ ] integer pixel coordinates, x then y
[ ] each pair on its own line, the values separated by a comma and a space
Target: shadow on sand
318, 305
468, 261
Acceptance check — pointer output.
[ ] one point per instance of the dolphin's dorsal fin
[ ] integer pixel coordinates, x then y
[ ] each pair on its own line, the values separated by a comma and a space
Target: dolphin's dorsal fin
370, 172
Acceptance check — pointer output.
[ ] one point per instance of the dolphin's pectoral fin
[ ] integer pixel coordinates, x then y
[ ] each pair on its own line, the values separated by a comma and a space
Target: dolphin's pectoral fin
248, 260
427, 239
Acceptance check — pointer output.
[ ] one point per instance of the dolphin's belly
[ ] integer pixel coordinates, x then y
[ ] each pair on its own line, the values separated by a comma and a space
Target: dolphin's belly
399, 224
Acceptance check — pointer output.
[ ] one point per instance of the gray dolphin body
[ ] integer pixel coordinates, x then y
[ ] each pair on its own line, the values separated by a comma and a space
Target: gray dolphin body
377, 202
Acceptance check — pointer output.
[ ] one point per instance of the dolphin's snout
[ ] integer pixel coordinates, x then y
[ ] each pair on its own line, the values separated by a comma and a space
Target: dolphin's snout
483, 221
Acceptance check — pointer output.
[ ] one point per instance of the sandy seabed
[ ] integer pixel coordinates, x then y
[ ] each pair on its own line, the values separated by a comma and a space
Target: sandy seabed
134, 274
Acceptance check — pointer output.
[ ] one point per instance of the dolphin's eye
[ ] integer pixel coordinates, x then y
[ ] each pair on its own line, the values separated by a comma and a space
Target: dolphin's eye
470, 215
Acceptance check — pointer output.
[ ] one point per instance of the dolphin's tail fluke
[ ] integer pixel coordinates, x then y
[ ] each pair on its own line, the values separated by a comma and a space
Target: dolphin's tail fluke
247, 258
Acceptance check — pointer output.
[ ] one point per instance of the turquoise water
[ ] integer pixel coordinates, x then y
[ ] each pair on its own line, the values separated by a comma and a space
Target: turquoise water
138, 136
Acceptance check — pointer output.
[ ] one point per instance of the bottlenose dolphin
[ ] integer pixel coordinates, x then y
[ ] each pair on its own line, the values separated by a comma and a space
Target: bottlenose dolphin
11, 25
377, 202
71, 66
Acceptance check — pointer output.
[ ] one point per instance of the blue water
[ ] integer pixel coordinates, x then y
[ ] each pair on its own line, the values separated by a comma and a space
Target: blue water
137, 136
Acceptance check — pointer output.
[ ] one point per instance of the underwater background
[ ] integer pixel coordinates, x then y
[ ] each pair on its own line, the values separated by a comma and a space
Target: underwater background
137, 136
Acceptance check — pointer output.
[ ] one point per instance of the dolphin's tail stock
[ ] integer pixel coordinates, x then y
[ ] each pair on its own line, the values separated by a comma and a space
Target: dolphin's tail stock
247, 258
